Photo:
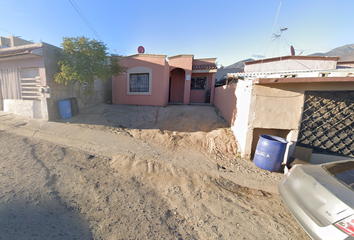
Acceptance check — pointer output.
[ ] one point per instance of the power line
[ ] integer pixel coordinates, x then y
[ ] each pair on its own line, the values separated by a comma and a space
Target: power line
85, 19
7, 32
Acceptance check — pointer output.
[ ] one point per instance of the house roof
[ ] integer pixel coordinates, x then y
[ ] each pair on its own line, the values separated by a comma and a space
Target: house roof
205, 59
303, 80
346, 62
182, 55
24, 51
296, 73
142, 55
204, 67
276, 59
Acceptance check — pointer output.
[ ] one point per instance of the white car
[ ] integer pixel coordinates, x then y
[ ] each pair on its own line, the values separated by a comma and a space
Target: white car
321, 198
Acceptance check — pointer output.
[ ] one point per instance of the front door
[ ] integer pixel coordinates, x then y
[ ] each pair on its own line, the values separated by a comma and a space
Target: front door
177, 85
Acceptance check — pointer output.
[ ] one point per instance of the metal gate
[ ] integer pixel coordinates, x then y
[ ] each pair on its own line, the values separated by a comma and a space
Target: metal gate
327, 122
19, 83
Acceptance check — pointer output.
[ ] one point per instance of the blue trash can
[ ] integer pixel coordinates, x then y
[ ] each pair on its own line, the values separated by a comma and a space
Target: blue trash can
64, 109
270, 152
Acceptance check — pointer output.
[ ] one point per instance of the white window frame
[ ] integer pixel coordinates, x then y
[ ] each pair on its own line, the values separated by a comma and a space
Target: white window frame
141, 70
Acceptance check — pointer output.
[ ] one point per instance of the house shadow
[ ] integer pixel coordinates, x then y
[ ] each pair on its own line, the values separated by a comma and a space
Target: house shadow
21, 220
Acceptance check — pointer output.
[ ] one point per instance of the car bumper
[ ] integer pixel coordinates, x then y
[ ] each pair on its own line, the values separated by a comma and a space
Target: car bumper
309, 226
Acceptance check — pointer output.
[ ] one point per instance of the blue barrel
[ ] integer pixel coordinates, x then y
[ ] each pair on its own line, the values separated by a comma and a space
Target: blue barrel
64, 109
270, 152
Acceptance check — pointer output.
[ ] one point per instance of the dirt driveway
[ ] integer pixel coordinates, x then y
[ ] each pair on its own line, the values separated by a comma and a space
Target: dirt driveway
185, 181
175, 126
181, 130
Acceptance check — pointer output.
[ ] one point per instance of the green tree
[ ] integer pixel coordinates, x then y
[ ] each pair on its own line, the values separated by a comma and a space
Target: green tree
82, 60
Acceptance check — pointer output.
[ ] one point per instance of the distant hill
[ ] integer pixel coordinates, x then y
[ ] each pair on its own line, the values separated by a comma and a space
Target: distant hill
346, 53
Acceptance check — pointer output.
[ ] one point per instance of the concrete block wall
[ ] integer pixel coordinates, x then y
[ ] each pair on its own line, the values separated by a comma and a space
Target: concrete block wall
58, 92
103, 90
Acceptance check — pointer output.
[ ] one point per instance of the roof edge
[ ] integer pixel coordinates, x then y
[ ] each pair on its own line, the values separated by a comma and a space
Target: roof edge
182, 55
22, 47
200, 59
345, 62
291, 57
305, 80
143, 55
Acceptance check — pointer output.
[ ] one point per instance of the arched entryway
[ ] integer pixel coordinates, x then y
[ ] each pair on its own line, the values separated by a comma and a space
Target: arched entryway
177, 77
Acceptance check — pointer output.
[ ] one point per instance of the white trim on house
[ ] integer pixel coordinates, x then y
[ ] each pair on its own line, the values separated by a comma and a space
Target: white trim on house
299, 73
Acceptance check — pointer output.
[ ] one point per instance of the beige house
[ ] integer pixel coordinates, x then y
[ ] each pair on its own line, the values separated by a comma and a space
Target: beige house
12, 41
304, 99
27, 84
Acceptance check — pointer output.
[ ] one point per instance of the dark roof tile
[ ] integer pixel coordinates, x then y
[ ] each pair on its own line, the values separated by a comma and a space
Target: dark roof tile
204, 67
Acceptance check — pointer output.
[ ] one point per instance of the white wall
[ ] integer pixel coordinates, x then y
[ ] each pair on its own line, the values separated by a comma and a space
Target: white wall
241, 124
26, 108
291, 64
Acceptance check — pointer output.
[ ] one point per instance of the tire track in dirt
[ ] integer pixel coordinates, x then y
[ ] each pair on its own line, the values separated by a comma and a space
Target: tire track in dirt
118, 206
213, 206
30, 206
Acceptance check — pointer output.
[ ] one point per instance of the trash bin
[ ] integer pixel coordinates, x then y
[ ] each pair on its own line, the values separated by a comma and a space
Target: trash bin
270, 152
64, 109
207, 96
74, 106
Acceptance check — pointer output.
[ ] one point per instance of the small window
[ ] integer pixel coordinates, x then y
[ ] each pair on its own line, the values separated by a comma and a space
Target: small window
139, 82
289, 76
199, 83
323, 74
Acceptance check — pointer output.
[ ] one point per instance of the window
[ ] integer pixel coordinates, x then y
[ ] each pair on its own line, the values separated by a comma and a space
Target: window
289, 76
198, 83
139, 82
323, 74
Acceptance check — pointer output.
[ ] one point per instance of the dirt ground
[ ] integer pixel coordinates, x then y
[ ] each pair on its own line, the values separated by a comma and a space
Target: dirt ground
202, 128
52, 191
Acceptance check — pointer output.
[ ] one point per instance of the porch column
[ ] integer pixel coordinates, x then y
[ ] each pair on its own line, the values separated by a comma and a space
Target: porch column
212, 88
187, 86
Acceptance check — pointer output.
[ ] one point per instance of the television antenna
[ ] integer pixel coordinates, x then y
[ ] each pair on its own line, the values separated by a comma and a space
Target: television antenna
276, 37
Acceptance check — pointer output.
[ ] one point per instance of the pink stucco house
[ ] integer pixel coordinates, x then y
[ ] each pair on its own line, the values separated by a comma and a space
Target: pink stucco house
152, 80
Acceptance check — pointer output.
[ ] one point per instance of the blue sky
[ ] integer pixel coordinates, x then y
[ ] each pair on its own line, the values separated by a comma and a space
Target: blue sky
230, 30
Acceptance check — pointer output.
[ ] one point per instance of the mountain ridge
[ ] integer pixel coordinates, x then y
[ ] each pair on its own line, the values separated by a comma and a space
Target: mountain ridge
346, 53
